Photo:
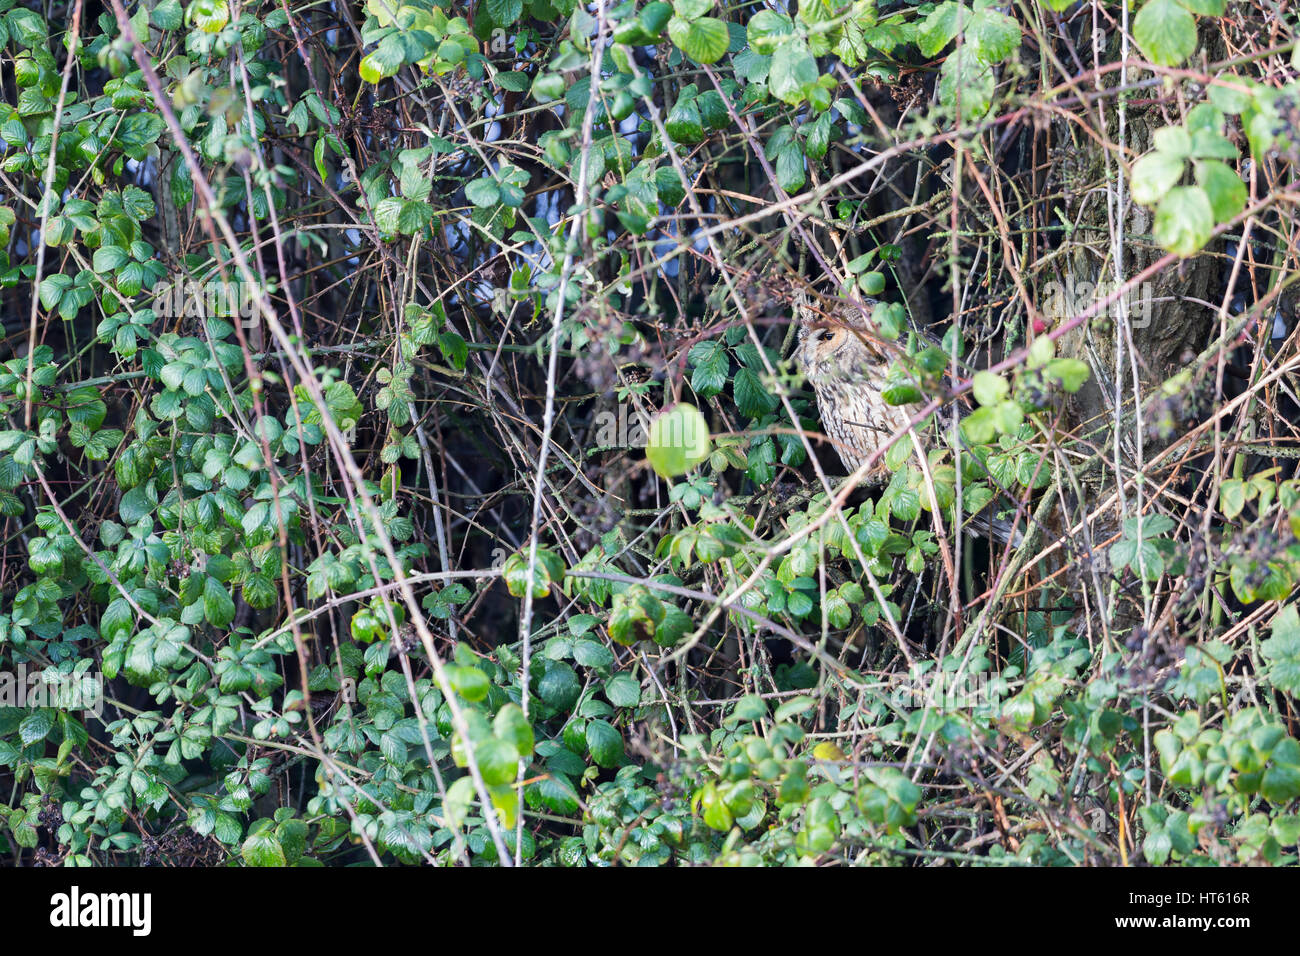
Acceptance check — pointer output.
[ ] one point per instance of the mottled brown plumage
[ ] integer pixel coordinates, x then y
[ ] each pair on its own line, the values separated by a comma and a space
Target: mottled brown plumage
846, 367
846, 364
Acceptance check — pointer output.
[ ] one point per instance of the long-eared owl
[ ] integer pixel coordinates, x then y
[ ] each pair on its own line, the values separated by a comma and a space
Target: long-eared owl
845, 363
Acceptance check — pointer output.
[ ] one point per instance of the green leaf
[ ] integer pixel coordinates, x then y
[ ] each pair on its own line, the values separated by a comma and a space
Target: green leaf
692, 9
469, 682
505, 12
28, 28
966, 84
498, 760
548, 570
990, 388
1282, 652
483, 192
709, 360
261, 848
1184, 220
168, 15
605, 744
1232, 499
136, 503
872, 283
36, 727
765, 31
679, 440
1165, 31
511, 724
683, 122
1174, 140
941, 27
790, 167
793, 69
1206, 8
635, 616
1154, 175
1223, 187
1281, 783
218, 607
1071, 373
210, 16
751, 397
979, 426
559, 687
109, 259
557, 794
384, 61
995, 35
622, 690
704, 40
1230, 99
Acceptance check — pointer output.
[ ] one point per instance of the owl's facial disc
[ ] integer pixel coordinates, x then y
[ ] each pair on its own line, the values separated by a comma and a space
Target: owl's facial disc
823, 340
828, 340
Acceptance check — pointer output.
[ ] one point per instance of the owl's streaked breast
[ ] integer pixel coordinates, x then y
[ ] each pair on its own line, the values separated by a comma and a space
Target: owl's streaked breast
856, 418
848, 384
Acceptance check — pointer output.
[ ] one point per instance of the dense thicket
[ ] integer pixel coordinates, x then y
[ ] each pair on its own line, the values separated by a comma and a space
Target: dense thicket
400, 432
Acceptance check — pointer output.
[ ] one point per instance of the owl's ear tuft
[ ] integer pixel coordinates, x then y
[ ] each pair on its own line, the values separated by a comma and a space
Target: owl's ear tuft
801, 304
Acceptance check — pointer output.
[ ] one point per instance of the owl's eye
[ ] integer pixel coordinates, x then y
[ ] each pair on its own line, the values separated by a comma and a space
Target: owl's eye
825, 335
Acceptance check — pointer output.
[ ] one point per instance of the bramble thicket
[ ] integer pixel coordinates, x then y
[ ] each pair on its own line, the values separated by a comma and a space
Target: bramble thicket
403, 460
